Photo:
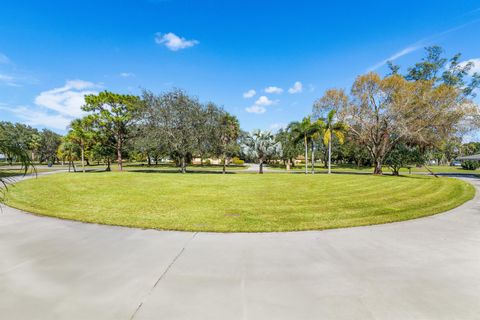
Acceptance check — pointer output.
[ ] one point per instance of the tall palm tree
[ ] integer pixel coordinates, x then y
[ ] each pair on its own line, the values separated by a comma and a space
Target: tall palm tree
316, 131
307, 131
79, 134
333, 128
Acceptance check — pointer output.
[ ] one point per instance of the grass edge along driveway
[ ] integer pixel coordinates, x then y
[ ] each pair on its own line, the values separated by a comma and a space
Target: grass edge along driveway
237, 203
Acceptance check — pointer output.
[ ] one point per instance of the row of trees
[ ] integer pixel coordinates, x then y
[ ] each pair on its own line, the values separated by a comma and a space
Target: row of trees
396, 120
41, 146
171, 125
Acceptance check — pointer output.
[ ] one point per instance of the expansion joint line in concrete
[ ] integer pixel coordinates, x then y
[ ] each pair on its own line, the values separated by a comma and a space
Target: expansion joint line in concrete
163, 275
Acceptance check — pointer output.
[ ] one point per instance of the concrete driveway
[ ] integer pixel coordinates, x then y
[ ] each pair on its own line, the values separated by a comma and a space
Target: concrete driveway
421, 269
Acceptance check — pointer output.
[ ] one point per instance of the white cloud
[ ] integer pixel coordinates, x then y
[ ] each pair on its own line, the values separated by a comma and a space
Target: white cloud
260, 104
67, 100
39, 118
249, 94
264, 101
127, 74
273, 89
4, 59
56, 108
174, 42
476, 65
256, 109
297, 88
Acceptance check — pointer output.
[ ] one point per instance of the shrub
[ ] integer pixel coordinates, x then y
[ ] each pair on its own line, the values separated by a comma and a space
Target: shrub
470, 165
207, 162
237, 161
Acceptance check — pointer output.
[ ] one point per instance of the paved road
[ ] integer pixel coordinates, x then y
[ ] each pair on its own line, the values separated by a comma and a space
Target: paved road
421, 269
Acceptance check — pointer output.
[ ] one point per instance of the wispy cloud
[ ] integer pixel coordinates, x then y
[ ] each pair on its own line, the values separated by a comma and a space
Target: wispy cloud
4, 59
174, 42
418, 45
256, 109
297, 88
127, 75
249, 94
8, 80
395, 56
273, 89
57, 107
39, 118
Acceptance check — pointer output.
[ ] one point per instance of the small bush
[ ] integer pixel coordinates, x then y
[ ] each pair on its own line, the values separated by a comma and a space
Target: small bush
470, 165
237, 161
207, 162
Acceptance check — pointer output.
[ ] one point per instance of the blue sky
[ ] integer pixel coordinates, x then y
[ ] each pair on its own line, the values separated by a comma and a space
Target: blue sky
287, 52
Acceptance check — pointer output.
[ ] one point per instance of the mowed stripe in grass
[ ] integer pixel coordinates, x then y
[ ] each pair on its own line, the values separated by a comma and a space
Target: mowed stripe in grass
237, 203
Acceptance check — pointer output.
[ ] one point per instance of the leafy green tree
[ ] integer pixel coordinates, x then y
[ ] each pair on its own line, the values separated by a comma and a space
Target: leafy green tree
16, 148
16, 134
180, 123
115, 113
403, 155
440, 70
35, 144
81, 134
68, 151
49, 143
470, 148
228, 129
290, 148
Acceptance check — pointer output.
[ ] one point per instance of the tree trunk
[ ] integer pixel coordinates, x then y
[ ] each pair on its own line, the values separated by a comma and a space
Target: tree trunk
260, 169
184, 170
378, 167
119, 154
224, 164
83, 158
149, 160
330, 155
108, 165
288, 164
306, 154
313, 158
73, 165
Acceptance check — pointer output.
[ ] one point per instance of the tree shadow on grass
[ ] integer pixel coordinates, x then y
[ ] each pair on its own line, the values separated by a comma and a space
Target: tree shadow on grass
172, 171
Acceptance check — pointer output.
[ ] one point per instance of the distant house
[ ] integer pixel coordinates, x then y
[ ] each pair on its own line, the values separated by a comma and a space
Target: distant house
475, 157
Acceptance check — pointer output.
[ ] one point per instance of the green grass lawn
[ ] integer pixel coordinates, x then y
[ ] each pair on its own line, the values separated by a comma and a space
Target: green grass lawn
241, 202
